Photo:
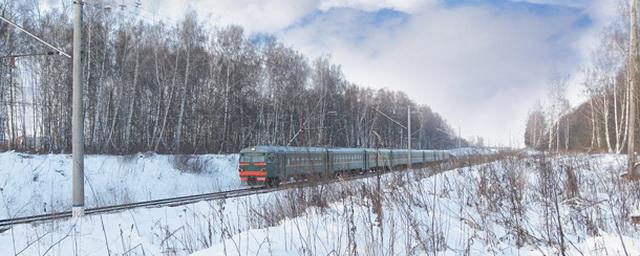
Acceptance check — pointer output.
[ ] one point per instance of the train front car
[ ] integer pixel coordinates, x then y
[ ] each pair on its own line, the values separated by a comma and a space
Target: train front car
255, 166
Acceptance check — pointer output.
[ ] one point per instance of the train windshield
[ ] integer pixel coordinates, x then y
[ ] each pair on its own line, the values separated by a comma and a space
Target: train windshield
252, 158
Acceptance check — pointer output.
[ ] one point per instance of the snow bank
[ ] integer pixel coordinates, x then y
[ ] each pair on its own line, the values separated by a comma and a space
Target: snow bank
472, 151
445, 215
465, 211
36, 184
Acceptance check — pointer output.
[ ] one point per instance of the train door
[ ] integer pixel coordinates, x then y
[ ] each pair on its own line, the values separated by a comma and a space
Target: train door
282, 166
328, 166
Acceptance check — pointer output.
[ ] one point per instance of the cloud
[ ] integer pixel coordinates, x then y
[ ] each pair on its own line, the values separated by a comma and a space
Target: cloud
270, 16
480, 67
254, 16
408, 6
568, 3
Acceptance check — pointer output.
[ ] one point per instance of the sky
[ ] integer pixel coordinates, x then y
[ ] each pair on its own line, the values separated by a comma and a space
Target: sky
482, 64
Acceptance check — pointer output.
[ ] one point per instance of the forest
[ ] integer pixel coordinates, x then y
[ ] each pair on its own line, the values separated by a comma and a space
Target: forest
188, 86
600, 123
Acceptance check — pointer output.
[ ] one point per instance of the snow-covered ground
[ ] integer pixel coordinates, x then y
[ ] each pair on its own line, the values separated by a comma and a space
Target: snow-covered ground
508, 207
504, 208
36, 184
472, 151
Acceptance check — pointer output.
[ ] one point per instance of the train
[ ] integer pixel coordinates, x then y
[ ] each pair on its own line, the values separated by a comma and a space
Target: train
271, 165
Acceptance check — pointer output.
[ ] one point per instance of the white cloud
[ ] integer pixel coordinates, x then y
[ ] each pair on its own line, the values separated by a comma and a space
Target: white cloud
480, 68
569, 3
254, 16
274, 15
408, 6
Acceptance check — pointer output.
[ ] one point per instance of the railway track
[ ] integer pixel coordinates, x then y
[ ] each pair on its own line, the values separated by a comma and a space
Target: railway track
6, 224
174, 201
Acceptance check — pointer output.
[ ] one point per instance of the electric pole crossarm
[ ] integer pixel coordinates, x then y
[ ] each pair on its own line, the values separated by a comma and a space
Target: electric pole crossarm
26, 55
391, 119
36, 37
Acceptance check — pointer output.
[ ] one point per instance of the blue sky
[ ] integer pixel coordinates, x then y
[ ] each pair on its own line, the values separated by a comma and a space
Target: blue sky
480, 63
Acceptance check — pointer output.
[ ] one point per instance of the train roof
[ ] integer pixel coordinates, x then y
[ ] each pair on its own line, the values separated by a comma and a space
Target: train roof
265, 149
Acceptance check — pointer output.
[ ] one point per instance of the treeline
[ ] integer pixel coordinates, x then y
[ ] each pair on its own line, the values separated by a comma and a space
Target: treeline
601, 123
189, 88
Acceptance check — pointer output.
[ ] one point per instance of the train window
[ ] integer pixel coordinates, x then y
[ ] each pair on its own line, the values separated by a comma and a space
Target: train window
252, 158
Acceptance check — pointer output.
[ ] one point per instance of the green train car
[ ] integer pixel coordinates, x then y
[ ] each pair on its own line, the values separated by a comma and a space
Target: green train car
273, 164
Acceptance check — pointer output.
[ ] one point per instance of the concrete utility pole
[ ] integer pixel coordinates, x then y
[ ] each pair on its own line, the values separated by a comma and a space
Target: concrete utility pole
633, 66
408, 128
409, 135
77, 123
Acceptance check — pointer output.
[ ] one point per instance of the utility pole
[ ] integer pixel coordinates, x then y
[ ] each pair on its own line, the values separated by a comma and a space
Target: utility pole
77, 123
408, 128
633, 66
12, 112
409, 136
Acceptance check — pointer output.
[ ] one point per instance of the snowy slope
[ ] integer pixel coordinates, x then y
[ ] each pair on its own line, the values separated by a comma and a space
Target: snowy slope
492, 209
447, 215
36, 184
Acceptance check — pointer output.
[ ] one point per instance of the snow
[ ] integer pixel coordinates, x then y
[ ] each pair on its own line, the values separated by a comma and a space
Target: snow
469, 151
457, 212
37, 184
451, 220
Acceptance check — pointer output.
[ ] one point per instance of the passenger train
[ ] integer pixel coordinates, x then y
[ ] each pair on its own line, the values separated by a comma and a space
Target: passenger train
269, 165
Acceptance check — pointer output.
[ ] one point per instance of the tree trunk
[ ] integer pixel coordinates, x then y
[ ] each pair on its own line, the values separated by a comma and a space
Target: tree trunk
607, 136
226, 108
593, 125
168, 102
127, 136
185, 90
